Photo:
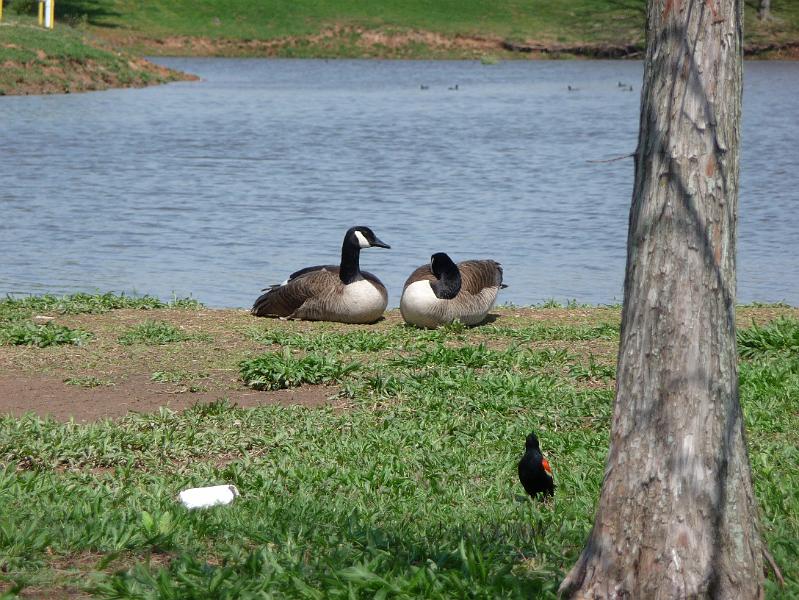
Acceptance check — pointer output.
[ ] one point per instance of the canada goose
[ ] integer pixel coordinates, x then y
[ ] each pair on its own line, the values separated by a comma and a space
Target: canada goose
442, 291
330, 293
534, 471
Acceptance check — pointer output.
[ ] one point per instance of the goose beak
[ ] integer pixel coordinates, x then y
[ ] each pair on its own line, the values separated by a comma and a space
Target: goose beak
378, 244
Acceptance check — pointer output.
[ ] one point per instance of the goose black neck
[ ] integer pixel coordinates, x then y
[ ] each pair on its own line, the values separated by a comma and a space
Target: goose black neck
448, 284
350, 269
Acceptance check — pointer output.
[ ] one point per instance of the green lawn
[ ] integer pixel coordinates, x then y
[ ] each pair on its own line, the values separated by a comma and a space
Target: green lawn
403, 487
66, 59
582, 20
81, 53
565, 21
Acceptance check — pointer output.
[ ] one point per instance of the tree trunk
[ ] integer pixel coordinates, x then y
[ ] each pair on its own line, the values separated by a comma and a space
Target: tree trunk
764, 12
677, 516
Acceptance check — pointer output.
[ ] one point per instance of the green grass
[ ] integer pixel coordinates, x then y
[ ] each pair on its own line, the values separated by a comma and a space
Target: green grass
407, 490
567, 22
174, 376
779, 336
88, 382
239, 19
16, 327
81, 303
280, 370
156, 333
82, 52
26, 333
550, 331
66, 59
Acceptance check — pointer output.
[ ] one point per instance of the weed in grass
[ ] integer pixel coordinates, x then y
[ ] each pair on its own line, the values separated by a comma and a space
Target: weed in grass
547, 331
780, 336
593, 370
170, 376
354, 341
20, 308
479, 356
154, 333
410, 492
279, 370
570, 304
468, 356
88, 382
26, 333
401, 337
757, 304
184, 378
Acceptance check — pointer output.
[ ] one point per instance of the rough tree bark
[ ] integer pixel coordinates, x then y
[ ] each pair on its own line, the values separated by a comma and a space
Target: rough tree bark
677, 516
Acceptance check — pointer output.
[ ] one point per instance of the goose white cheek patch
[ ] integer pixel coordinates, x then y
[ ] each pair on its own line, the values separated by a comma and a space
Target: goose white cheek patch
364, 243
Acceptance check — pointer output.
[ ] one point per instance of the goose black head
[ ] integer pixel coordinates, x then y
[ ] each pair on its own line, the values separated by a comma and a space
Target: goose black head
441, 265
361, 236
448, 275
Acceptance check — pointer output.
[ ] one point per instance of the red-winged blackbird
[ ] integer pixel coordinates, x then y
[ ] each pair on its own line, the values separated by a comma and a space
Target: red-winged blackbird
534, 471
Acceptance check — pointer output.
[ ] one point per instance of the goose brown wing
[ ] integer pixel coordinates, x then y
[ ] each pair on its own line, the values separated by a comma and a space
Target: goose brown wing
296, 274
420, 274
283, 300
476, 275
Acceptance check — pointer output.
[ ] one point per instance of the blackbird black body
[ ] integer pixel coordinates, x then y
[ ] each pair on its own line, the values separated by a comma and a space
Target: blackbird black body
534, 471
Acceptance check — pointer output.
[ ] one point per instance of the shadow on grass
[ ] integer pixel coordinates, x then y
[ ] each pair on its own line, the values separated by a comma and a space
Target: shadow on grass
93, 12
357, 559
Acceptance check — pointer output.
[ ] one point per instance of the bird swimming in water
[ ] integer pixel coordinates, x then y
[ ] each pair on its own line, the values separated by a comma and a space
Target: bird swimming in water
534, 471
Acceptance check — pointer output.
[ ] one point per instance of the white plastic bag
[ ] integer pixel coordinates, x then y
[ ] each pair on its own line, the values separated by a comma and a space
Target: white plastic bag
205, 497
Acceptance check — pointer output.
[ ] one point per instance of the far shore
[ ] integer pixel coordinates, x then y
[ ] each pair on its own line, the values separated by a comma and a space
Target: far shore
79, 59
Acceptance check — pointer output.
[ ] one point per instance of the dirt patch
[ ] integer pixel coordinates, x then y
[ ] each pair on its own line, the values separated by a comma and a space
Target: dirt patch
60, 592
109, 379
775, 51
50, 396
57, 76
357, 41
71, 570
338, 40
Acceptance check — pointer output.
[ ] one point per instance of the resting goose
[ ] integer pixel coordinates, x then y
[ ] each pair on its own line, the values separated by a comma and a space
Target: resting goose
442, 291
341, 293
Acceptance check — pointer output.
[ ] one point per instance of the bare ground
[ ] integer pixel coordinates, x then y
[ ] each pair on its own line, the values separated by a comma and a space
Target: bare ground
51, 396
58, 77
398, 44
106, 379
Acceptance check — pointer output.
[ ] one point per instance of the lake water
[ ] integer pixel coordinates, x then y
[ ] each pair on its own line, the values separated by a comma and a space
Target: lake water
219, 187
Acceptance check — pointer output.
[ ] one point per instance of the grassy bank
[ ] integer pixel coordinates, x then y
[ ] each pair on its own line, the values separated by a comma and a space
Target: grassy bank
72, 58
399, 482
36, 61
397, 28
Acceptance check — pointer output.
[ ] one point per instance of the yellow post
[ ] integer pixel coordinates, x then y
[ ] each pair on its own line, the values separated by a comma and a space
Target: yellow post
52, 14
41, 13
1, 10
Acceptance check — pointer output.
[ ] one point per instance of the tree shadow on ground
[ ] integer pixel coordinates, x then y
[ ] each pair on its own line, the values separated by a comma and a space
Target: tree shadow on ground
363, 561
93, 12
